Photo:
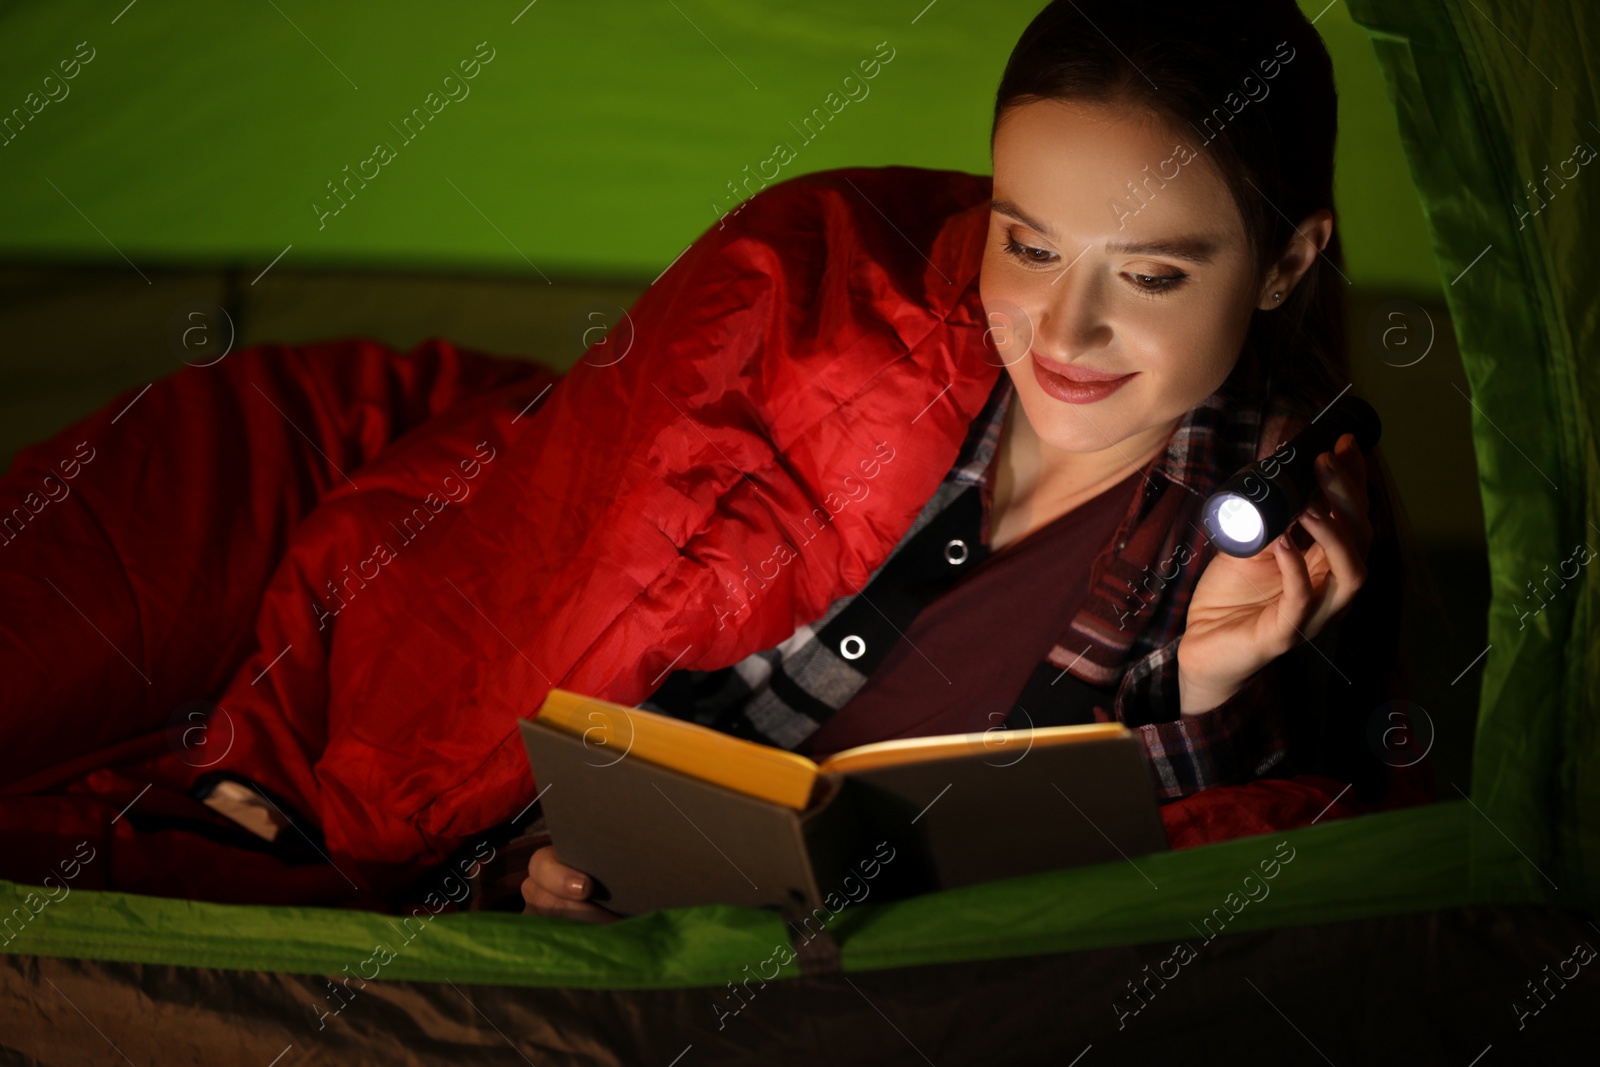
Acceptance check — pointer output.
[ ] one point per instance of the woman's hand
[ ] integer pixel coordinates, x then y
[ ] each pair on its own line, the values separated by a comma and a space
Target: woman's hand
553, 888
1248, 612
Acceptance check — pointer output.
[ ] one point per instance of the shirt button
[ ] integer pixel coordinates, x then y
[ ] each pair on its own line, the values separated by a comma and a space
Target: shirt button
852, 647
955, 552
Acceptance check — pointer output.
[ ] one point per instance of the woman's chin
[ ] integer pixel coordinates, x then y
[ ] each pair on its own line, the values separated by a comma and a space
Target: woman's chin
1079, 427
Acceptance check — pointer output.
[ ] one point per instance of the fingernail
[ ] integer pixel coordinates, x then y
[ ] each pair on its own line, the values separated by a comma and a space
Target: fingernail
577, 886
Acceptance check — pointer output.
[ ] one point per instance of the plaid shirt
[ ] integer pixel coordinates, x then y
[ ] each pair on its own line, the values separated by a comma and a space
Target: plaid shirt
1117, 657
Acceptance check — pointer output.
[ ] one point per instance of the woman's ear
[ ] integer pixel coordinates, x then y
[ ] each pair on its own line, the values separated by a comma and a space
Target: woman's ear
1311, 237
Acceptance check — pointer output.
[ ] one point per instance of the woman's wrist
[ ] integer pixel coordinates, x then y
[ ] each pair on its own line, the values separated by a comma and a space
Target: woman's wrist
1196, 699
1198, 694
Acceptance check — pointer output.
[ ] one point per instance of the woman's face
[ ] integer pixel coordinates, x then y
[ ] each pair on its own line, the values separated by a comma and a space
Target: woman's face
1145, 300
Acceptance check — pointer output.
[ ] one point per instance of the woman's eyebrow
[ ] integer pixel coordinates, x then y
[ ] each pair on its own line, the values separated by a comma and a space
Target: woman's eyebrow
1193, 249
1006, 207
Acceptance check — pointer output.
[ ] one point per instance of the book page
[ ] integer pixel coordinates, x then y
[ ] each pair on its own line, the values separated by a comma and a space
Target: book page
1003, 743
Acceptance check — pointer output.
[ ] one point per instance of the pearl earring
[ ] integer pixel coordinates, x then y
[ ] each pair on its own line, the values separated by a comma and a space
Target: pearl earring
1276, 297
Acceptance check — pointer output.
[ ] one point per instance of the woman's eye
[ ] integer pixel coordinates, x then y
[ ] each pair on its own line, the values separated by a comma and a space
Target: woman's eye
1156, 283
1027, 253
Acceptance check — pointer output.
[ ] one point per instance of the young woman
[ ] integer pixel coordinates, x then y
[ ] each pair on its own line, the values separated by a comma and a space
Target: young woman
1162, 286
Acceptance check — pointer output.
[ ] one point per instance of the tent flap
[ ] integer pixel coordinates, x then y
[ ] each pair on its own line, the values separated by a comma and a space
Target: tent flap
1490, 104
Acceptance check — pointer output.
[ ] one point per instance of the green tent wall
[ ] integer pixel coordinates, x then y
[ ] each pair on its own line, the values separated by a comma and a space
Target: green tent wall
1527, 329
600, 139
203, 135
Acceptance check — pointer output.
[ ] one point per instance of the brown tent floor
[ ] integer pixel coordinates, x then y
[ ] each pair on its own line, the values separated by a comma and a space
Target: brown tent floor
1442, 987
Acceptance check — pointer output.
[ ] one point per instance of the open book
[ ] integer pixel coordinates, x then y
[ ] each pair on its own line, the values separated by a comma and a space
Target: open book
666, 813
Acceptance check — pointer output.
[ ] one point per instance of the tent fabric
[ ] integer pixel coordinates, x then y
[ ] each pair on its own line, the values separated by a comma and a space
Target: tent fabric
1429, 987
1478, 118
1483, 115
538, 168
1412, 859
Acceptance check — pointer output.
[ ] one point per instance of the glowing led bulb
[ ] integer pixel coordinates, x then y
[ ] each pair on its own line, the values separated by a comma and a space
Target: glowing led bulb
1239, 520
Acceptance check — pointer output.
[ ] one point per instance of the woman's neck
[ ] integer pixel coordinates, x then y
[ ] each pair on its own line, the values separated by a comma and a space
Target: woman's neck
1036, 482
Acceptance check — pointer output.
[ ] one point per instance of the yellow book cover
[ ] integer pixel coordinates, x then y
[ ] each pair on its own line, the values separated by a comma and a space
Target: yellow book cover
616, 732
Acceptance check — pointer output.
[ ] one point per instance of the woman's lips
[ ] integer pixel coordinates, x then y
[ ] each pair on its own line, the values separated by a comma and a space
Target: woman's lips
1077, 385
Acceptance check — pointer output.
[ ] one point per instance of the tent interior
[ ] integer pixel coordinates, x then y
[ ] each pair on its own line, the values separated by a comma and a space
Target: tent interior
649, 171
191, 171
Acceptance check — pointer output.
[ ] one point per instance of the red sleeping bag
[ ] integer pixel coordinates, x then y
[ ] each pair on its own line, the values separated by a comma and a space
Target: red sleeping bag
372, 563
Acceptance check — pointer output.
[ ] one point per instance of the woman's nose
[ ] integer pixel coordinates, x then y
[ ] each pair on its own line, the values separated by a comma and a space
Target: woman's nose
1070, 320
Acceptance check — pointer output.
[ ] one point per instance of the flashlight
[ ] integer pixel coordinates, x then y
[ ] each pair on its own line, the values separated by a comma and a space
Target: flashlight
1257, 504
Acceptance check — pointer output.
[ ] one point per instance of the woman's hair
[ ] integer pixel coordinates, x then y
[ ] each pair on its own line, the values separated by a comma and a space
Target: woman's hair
1247, 86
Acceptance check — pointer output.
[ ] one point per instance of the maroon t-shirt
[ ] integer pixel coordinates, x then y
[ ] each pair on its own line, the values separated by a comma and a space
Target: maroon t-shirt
970, 652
